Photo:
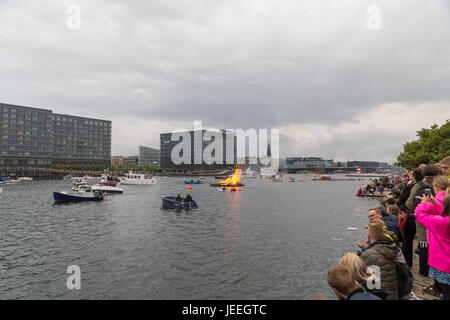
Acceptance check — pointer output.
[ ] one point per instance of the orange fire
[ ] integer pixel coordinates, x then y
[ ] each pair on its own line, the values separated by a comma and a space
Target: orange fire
234, 180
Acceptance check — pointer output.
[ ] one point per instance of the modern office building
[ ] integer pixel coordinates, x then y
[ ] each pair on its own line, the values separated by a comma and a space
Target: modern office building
81, 142
307, 163
197, 162
367, 164
39, 138
131, 160
149, 156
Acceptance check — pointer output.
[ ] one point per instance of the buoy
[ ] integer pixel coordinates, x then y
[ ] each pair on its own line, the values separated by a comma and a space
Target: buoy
190, 188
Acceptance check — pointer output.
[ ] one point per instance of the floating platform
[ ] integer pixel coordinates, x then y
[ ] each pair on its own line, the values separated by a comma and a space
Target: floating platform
372, 195
226, 185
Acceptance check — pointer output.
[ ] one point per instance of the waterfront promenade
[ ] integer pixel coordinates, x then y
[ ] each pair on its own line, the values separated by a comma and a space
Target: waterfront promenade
420, 282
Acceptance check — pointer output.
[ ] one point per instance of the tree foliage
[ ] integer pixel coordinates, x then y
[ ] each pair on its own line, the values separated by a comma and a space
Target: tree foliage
432, 146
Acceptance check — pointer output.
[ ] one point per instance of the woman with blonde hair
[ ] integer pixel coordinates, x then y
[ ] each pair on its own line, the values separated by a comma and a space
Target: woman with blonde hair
394, 210
361, 273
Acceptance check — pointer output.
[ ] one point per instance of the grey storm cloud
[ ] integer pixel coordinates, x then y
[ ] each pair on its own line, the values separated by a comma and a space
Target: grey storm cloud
230, 63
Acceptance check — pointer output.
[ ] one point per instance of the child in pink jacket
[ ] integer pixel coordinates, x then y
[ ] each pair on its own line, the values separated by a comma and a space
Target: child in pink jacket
434, 216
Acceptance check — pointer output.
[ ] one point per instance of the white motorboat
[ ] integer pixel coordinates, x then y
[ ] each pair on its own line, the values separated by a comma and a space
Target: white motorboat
25, 179
108, 180
137, 179
7, 180
106, 189
78, 182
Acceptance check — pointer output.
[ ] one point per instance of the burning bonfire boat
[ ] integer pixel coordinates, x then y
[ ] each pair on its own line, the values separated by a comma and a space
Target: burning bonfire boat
233, 181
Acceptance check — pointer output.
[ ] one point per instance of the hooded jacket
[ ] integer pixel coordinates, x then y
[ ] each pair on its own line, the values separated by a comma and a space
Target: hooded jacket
383, 253
360, 294
438, 233
391, 223
420, 229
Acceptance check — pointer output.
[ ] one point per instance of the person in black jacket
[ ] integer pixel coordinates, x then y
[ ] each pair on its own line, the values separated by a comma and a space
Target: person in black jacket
345, 286
409, 231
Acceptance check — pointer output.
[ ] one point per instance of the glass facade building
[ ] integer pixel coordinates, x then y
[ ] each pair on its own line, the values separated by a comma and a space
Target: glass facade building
228, 148
149, 156
39, 138
307, 163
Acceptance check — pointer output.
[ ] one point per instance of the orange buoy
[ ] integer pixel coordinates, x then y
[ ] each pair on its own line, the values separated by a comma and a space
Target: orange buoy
190, 188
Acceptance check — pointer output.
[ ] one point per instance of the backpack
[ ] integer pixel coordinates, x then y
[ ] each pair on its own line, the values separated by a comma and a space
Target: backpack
420, 192
405, 279
402, 220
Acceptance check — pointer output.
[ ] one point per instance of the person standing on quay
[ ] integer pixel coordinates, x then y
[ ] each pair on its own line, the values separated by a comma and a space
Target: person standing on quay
409, 230
438, 232
382, 252
445, 165
430, 172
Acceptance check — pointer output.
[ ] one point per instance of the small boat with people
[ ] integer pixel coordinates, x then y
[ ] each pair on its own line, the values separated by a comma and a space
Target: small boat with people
108, 180
170, 202
80, 194
137, 179
78, 182
275, 178
193, 182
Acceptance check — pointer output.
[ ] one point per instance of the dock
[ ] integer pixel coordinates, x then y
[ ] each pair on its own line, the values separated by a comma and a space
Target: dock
420, 282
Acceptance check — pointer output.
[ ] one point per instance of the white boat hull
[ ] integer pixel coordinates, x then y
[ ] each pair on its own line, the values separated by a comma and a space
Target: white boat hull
126, 181
107, 189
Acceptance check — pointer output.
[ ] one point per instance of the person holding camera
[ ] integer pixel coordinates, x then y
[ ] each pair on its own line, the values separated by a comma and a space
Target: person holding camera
430, 172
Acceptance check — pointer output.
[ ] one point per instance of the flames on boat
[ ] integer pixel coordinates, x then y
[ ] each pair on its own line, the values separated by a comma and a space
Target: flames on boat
233, 180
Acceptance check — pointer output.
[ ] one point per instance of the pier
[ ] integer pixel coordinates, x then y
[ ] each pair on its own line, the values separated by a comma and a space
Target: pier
40, 173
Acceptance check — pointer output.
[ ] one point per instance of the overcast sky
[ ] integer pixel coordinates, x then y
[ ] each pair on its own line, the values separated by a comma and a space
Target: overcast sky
340, 79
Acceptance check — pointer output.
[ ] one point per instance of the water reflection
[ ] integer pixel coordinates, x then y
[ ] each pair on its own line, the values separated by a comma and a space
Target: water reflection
232, 222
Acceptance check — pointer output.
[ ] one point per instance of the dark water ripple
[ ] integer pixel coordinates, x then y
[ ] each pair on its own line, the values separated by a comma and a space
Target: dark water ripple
270, 241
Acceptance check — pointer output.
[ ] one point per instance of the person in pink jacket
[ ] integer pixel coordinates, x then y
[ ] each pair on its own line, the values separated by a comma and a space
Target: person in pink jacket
433, 213
440, 184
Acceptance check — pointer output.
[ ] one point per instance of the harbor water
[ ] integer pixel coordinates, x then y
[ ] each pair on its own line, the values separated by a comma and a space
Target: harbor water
269, 241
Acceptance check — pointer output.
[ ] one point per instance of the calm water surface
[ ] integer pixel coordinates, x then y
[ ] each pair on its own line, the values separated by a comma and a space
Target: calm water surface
269, 241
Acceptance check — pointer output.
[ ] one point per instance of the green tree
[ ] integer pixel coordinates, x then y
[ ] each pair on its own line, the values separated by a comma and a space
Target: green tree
432, 146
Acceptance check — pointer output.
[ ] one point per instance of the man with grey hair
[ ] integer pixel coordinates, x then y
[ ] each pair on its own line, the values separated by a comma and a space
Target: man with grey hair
445, 166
